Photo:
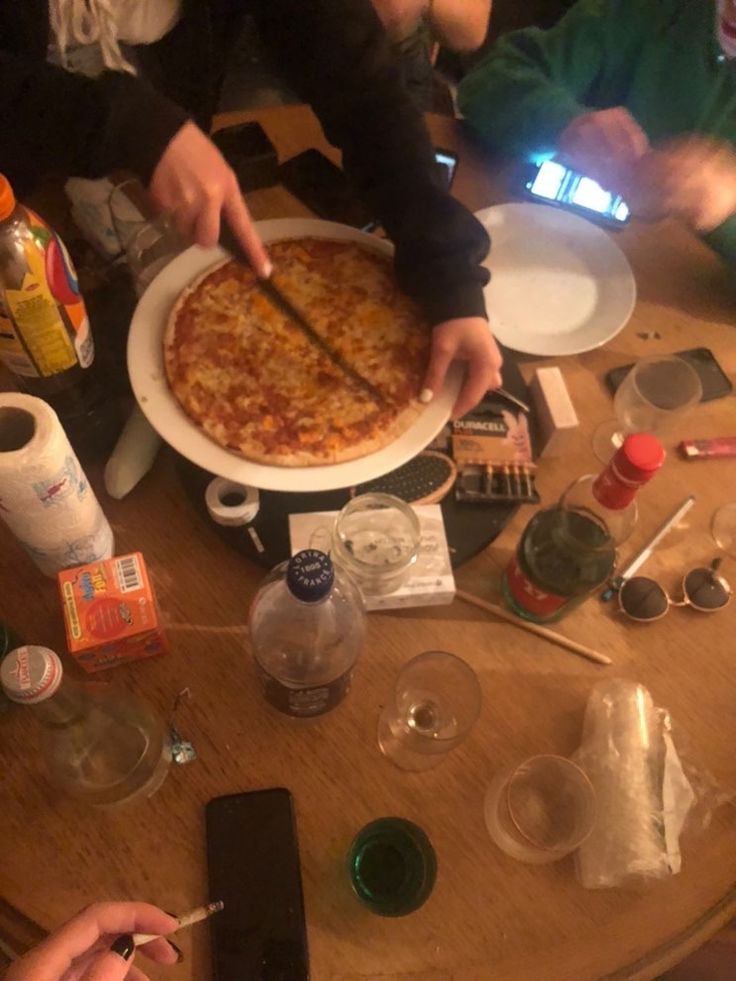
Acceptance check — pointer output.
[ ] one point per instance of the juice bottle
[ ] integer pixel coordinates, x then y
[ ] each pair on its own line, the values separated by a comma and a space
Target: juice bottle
45, 337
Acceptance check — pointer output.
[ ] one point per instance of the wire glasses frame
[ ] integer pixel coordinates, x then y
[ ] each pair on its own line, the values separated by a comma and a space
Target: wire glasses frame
644, 600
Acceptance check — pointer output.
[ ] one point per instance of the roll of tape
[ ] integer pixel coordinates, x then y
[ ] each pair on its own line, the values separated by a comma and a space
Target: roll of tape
231, 504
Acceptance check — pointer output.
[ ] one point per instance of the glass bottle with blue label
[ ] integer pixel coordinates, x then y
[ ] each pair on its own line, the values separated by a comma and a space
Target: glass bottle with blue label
307, 626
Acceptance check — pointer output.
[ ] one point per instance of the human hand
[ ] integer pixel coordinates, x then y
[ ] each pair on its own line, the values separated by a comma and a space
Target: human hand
604, 145
194, 184
96, 945
692, 178
464, 339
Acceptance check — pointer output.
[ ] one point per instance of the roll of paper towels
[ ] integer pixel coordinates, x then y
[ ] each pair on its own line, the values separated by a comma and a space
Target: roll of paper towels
45, 497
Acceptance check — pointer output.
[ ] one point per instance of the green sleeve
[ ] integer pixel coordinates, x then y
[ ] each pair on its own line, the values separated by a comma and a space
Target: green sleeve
723, 239
532, 83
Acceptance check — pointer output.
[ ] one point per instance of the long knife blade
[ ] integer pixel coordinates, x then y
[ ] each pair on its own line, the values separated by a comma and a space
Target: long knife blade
229, 242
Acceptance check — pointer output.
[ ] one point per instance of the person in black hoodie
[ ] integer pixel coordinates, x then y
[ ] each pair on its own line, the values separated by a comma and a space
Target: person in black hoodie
335, 54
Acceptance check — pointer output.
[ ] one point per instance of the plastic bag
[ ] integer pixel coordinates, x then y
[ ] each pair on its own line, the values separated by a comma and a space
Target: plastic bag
644, 790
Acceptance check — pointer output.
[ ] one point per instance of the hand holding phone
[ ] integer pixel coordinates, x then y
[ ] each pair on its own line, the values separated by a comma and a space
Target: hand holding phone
553, 183
253, 866
603, 143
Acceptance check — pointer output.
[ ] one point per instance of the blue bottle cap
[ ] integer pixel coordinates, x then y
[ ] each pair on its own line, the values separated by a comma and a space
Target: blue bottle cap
310, 575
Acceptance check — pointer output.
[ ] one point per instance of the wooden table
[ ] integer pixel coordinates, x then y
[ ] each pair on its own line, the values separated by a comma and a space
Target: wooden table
489, 916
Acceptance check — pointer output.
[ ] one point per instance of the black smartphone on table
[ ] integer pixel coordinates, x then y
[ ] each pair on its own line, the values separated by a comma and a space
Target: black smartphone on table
552, 183
324, 188
253, 867
713, 379
250, 153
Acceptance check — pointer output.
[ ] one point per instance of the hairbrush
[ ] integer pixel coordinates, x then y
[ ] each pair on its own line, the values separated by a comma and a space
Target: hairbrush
425, 479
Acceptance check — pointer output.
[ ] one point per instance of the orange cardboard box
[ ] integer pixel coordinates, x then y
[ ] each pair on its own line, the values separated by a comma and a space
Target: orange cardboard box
110, 612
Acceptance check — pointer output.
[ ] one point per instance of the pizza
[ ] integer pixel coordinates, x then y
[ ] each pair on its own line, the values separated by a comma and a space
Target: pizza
257, 384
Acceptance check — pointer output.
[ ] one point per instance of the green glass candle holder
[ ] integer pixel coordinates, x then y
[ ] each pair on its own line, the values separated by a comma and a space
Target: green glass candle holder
392, 866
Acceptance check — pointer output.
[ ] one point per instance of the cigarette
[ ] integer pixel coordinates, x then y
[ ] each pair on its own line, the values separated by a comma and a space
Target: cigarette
185, 920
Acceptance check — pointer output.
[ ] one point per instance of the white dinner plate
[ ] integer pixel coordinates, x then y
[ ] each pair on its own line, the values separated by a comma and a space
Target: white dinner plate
559, 285
148, 379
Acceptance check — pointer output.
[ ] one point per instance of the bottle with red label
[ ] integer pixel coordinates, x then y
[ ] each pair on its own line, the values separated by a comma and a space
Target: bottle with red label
568, 550
45, 337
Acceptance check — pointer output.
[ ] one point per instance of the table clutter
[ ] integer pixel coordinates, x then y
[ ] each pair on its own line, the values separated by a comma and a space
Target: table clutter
392, 569
614, 787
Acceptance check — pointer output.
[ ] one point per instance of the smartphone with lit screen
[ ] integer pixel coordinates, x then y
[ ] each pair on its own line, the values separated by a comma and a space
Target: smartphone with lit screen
552, 183
253, 867
448, 162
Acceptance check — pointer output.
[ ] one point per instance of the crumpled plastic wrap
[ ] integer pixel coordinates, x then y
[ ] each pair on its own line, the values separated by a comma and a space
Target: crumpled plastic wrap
644, 793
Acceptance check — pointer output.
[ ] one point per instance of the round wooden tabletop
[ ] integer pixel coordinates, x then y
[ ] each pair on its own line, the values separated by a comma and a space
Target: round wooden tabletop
488, 916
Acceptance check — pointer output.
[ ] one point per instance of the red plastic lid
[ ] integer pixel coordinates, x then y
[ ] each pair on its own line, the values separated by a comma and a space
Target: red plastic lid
639, 458
633, 464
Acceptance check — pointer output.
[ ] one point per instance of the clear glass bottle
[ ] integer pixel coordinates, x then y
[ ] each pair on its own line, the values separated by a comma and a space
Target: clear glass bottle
568, 550
307, 626
102, 744
9, 640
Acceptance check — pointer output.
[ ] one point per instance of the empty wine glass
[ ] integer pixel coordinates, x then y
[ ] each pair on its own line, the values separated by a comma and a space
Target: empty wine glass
653, 396
723, 528
434, 704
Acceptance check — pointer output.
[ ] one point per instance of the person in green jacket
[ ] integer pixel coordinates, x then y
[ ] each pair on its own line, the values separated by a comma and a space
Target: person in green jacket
638, 94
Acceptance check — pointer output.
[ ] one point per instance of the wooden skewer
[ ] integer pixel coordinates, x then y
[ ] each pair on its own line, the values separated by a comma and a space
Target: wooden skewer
533, 628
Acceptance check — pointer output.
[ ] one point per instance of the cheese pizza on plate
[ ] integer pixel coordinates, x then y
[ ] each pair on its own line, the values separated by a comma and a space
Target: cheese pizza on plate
255, 382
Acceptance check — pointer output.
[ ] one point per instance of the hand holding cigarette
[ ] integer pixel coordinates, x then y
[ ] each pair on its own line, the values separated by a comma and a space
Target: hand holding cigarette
185, 920
97, 944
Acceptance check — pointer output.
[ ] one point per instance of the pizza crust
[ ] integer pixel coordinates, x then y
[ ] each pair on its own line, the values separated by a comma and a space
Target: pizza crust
170, 328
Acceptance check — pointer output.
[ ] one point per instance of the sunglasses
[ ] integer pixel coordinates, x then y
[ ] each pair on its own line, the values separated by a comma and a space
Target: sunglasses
644, 600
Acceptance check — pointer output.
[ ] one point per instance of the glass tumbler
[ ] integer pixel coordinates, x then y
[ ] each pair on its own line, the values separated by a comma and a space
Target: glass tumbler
130, 209
148, 241
392, 866
376, 539
435, 703
540, 810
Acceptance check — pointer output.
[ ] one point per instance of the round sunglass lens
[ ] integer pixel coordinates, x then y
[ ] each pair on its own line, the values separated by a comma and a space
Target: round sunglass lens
705, 590
643, 599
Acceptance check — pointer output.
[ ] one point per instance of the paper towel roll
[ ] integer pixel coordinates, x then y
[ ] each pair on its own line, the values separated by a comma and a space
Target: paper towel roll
45, 497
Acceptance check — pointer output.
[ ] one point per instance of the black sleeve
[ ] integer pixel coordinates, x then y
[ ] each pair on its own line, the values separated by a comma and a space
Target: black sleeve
335, 54
56, 123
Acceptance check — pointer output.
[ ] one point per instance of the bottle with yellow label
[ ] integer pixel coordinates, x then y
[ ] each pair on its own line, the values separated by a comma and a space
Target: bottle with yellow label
45, 337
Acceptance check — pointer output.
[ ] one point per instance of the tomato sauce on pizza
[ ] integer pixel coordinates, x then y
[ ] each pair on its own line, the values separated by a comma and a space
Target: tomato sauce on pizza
257, 384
